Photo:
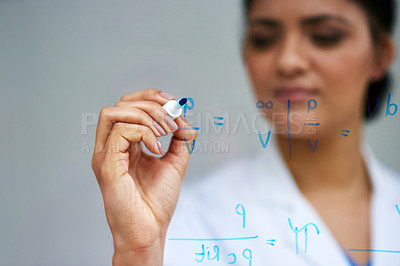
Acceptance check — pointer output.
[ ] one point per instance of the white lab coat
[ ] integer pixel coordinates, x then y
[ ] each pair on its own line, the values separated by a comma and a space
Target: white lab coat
269, 195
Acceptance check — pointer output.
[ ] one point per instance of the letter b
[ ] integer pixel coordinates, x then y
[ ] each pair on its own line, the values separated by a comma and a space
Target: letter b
389, 105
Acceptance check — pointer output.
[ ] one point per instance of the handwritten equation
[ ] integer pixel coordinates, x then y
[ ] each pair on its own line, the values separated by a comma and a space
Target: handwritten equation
189, 105
209, 250
212, 252
391, 110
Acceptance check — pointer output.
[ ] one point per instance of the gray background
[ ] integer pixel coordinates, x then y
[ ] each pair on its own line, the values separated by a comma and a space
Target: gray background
60, 60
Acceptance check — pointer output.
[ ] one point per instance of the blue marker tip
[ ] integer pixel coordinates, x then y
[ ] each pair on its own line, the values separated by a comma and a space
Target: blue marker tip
182, 101
174, 108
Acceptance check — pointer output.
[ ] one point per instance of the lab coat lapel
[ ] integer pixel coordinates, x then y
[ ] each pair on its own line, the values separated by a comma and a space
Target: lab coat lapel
385, 219
283, 192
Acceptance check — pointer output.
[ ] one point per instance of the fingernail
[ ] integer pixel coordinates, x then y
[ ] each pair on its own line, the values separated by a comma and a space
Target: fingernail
167, 95
160, 148
171, 123
159, 128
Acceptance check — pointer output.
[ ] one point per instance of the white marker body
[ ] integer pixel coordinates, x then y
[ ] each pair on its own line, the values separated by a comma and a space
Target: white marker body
173, 108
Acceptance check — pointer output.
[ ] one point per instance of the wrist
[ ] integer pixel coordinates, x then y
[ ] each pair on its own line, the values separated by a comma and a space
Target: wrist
145, 256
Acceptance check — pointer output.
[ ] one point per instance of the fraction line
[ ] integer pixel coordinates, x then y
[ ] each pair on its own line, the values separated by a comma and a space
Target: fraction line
214, 239
375, 250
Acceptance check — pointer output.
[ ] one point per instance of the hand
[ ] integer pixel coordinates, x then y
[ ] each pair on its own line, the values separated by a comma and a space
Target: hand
140, 191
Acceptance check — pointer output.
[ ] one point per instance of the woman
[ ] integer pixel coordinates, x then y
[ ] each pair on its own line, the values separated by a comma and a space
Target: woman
330, 51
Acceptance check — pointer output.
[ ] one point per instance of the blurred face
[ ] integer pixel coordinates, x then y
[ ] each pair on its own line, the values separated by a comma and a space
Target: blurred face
310, 50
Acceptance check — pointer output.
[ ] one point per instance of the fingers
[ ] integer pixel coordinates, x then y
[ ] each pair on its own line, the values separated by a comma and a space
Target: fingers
149, 101
141, 108
120, 139
122, 134
110, 115
155, 110
157, 96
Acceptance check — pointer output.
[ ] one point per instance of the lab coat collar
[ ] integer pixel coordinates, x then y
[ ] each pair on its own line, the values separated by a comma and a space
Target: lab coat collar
384, 217
284, 194
275, 183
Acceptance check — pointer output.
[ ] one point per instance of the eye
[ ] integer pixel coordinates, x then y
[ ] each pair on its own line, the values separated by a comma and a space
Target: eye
327, 39
261, 42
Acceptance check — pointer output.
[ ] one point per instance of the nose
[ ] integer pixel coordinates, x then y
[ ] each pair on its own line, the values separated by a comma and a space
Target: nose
291, 59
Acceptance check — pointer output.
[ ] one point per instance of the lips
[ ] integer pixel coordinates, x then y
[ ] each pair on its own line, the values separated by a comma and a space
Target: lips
293, 94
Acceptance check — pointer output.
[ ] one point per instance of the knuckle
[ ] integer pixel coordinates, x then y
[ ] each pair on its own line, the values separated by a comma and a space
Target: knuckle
160, 115
118, 126
158, 111
124, 97
154, 105
147, 120
104, 112
146, 130
151, 91
144, 119
118, 104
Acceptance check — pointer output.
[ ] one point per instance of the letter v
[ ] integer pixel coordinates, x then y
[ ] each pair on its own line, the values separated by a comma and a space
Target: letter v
371, 114
313, 148
264, 144
187, 145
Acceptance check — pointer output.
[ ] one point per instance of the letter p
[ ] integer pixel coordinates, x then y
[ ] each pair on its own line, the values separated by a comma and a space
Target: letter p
313, 107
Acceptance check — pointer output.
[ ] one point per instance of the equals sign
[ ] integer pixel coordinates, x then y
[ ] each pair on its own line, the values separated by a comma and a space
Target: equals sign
345, 133
219, 119
271, 242
311, 124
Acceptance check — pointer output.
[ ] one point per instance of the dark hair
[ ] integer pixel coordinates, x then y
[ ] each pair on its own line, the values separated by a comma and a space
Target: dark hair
381, 19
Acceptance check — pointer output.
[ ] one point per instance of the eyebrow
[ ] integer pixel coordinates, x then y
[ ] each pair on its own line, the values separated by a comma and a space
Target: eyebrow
272, 23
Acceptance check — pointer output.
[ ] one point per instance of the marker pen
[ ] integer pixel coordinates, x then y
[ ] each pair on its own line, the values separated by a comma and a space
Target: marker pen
174, 108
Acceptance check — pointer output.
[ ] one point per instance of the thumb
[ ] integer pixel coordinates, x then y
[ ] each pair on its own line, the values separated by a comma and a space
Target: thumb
182, 145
